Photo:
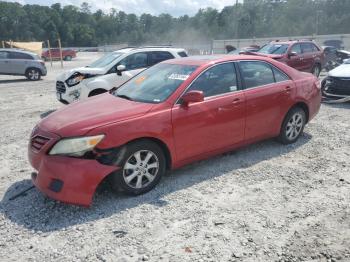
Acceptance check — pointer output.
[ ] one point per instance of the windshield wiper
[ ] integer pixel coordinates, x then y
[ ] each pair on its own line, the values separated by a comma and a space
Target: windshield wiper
125, 97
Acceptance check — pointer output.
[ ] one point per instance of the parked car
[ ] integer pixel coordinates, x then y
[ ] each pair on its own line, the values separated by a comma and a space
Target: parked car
22, 63
67, 54
105, 74
337, 84
302, 55
338, 44
334, 57
174, 113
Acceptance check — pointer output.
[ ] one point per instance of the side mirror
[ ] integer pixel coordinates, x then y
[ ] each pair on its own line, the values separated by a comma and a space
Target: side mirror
292, 54
120, 69
192, 97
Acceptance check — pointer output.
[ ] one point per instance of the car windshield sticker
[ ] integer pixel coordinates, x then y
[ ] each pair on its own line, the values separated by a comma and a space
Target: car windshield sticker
178, 77
140, 79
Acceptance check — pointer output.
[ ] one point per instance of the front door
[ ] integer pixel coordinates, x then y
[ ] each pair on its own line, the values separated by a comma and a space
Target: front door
296, 61
217, 122
4, 63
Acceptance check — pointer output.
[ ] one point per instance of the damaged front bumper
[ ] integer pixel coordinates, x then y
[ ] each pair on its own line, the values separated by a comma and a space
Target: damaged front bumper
336, 89
67, 179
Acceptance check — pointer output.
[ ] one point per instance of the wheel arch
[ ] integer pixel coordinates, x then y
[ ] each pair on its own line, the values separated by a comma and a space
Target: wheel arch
162, 145
32, 67
97, 91
303, 106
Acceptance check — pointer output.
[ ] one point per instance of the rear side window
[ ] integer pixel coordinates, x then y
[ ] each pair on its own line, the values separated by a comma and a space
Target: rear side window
256, 73
17, 55
279, 75
182, 54
3, 55
158, 56
296, 48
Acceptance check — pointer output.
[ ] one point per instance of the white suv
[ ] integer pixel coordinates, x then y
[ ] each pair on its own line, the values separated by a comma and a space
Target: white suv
111, 70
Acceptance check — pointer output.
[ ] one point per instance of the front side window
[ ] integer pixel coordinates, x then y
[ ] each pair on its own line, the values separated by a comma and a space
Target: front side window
135, 61
277, 49
296, 49
217, 80
105, 60
256, 73
158, 56
307, 48
156, 84
17, 55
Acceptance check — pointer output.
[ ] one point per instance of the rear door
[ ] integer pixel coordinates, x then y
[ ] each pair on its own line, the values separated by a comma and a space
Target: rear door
217, 122
19, 62
4, 63
268, 93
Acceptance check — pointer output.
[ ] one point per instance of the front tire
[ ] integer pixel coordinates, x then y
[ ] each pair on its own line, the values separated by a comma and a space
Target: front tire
68, 58
33, 74
143, 164
292, 126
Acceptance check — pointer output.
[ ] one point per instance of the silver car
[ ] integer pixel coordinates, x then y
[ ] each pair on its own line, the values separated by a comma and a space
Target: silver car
19, 62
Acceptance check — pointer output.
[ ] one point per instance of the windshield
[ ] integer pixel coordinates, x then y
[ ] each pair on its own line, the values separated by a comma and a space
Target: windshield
105, 60
155, 84
277, 49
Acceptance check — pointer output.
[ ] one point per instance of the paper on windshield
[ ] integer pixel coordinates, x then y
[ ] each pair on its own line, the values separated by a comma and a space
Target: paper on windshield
178, 77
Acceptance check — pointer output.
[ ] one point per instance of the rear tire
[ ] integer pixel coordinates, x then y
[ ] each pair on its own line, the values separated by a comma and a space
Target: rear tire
142, 166
292, 126
33, 74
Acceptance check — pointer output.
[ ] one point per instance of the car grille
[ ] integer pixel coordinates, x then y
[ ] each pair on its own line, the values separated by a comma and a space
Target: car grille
37, 142
339, 86
60, 87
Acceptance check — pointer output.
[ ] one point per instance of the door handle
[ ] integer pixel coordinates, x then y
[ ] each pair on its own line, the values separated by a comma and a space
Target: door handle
288, 89
301, 58
236, 101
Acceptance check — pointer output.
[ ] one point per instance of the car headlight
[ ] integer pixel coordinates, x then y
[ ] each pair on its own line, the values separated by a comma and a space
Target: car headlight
75, 79
76, 146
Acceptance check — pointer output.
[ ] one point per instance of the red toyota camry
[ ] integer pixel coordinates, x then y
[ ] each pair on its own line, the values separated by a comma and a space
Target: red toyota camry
174, 113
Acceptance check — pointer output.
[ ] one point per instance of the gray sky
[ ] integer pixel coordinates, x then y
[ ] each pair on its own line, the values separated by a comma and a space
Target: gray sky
173, 7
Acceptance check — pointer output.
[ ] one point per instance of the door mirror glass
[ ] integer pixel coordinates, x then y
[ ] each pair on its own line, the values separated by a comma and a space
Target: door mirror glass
291, 54
193, 96
120, 69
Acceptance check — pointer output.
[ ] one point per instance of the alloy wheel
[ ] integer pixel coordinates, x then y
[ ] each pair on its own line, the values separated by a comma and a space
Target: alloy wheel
33, 74
294, 126
140, 169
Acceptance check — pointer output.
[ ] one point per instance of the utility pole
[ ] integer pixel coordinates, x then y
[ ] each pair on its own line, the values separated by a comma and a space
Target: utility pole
237, 21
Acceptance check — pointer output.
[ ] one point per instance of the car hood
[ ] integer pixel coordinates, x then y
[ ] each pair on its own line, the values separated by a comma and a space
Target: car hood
83, 70
79, 118
340, 71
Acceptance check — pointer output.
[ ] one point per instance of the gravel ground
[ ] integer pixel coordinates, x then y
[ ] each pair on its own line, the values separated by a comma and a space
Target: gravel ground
265, 202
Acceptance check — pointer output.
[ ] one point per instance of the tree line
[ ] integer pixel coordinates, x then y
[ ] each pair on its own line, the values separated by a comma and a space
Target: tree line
80, 26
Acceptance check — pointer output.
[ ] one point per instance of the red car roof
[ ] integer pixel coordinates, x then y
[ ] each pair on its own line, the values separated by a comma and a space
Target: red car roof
213, 59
